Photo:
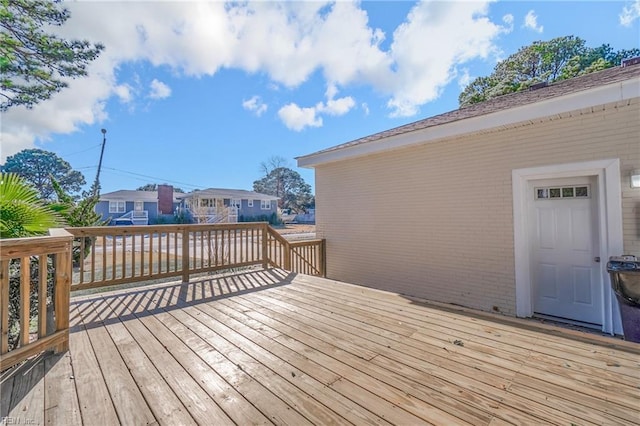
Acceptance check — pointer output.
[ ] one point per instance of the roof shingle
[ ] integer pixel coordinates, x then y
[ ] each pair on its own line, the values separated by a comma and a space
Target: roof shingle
512, 100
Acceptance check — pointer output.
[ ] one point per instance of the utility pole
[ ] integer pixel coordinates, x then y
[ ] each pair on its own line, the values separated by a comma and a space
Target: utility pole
96, 184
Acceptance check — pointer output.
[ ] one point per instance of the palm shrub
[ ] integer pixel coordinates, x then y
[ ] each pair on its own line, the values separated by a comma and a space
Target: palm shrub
23, 214
78, 213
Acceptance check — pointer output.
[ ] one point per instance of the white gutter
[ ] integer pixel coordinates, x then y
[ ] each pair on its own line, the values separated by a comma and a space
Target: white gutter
616, 92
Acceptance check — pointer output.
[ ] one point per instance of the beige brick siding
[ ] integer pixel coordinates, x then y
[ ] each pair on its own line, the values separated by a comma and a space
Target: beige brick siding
436, 220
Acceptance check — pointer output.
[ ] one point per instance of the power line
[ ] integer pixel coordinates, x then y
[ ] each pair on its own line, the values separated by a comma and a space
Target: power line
151, 177
80, 152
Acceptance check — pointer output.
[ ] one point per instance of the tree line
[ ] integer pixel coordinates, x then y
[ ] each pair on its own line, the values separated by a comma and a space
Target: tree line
39, 190
558, 59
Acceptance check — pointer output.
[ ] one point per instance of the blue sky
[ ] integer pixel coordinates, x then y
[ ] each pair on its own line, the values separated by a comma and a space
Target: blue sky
198, 94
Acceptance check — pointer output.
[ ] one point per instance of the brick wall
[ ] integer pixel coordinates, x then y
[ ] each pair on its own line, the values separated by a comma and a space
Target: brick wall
435, 220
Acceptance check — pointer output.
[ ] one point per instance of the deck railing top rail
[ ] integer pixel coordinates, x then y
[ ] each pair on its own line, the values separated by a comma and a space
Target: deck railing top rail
121, 254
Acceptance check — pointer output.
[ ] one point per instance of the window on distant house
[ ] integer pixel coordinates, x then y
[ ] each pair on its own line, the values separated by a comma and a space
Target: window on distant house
116, 206
249, 203
265, 204
236, 203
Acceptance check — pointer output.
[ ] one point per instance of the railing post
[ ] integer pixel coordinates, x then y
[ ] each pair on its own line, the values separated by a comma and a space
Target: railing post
25, 299
323, 258
287, 256
42, 297
62, 294
265, 246
4, 306
185, 255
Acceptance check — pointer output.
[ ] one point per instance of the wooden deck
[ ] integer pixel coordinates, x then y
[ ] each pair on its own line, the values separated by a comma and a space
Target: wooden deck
267, 347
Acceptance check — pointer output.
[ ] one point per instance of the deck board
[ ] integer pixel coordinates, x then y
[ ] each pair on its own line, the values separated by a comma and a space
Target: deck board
27, 397
601, 376
350, 365
400, 351
269, 347
371, 377
200, 403
629, 397
265, 368
394, 303
520, 347
131, 406
158, 395
90, 388
60, 409
236, 376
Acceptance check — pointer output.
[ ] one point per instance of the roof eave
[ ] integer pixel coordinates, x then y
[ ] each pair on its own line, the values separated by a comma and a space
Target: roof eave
614, 92
212, 194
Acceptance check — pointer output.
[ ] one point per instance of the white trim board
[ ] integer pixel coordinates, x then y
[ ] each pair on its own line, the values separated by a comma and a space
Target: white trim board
607, 173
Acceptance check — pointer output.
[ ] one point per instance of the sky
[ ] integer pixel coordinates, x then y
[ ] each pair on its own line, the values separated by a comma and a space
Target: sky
199, 94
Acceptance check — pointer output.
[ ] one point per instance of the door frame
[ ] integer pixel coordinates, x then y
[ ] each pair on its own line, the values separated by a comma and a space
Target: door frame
609, 205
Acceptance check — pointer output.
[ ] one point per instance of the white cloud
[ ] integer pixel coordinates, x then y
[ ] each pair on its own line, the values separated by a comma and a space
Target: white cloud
630, 13
331, 92
124, 93
256, 105
286, 41
333, 106
508, 19
339, 106
83, 102
365, 108
297, 118
159, 90
427, 49
464, 79
336, 107
531, 22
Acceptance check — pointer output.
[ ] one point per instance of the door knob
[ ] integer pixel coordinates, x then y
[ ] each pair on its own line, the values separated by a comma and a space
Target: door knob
596, 259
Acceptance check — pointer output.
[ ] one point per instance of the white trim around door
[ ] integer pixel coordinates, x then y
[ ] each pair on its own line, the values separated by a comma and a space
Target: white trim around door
607, 173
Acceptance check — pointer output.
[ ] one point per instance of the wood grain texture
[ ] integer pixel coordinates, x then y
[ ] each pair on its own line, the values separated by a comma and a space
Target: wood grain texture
270, 347
60, 409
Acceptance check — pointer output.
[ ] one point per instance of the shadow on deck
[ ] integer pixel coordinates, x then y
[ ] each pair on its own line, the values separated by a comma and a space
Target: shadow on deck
152, 300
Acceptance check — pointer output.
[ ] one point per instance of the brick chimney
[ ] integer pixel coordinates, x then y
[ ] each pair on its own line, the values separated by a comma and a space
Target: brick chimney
165, 199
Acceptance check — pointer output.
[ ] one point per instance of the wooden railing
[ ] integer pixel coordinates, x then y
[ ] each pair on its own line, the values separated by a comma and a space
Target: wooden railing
35, 304
37, 274
123, 254
305, 257
24, 290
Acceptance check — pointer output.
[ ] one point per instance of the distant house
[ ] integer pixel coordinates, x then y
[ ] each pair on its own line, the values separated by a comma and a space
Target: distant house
226, 205
211, 205
512, 205
127, 207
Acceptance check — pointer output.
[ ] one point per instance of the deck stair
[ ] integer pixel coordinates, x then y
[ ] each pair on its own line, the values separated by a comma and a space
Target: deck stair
224, 215
133, 217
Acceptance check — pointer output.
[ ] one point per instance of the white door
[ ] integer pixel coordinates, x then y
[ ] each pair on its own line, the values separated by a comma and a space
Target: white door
564, 239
